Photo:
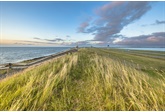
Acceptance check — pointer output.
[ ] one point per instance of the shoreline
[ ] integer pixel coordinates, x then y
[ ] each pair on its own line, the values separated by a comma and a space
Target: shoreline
26, 53
11, 68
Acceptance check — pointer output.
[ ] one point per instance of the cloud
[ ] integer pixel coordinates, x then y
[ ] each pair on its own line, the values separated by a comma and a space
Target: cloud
113, 17
50, 40
27, 42
54, 40
160, 22
32, 42
153, 40
83, 42
67, 36
37, 38
157, 22
19, 43
83, 26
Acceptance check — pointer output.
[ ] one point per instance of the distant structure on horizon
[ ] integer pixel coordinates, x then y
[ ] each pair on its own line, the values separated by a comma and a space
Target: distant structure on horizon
77, 47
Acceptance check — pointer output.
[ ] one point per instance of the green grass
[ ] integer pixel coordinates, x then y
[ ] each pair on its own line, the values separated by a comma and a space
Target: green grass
143, 63
91, 79
2, 72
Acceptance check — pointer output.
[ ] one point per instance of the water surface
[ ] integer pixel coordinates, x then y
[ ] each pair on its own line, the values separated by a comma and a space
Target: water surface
17, 54
146, 49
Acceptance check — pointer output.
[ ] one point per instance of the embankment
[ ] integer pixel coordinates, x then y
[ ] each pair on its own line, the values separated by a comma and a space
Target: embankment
90, 79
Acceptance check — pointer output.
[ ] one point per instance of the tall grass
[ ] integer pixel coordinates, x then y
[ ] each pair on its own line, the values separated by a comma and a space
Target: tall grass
83, 81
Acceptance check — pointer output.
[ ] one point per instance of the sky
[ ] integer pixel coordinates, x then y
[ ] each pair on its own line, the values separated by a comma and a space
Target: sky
83, 23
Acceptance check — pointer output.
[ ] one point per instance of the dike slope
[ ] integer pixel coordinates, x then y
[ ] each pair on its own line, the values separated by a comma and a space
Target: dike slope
90, 79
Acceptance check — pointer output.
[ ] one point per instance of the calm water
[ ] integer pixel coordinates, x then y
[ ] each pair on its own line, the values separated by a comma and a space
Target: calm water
17, 54
147, 49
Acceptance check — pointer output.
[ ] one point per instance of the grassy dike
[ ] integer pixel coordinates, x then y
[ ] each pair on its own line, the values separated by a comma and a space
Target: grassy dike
90, 79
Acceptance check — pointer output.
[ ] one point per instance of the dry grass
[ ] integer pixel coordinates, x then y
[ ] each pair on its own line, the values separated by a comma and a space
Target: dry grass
83, 81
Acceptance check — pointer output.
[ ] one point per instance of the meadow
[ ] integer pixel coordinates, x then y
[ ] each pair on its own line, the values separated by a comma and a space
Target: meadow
90, 79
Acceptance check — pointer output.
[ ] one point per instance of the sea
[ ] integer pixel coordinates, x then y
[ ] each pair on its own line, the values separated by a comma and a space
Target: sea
18, 54
145, 49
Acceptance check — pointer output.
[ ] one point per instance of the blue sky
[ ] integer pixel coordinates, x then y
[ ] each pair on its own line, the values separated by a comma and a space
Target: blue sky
86, 23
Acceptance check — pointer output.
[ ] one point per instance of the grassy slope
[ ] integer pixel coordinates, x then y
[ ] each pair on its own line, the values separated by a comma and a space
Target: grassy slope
2, 72
92, 79
151, 66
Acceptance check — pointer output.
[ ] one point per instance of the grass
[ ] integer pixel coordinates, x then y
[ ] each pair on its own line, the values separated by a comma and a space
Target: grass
2, 72
143, 63
91, 79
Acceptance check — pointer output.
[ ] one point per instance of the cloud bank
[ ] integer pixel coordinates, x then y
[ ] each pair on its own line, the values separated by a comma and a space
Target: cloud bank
155, 39
112, 18
54, 40
50, 40
41, 41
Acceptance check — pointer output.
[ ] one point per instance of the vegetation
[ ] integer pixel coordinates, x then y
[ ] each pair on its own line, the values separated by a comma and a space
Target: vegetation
91, 79
3, 72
